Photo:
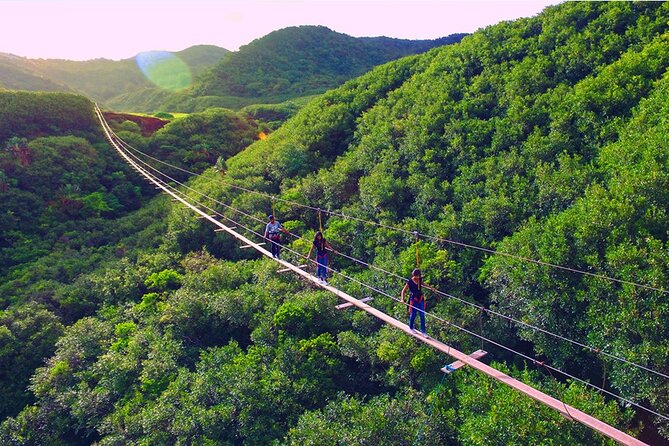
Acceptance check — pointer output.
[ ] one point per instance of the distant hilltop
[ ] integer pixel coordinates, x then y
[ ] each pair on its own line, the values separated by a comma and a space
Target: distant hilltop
99, 79
288, 63
303, 60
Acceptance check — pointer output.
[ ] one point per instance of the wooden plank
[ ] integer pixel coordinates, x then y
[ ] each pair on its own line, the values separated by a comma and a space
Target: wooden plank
349, 304
288, 269
208, 216
561, 407
452, 367
251, 246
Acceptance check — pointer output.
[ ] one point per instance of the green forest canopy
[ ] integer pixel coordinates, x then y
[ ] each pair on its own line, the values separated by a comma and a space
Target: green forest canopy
542, 137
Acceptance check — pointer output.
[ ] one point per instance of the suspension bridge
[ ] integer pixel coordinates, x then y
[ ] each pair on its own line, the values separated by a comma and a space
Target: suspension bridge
462, 359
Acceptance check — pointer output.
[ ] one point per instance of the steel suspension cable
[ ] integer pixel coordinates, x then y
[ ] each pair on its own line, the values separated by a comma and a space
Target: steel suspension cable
427, 236
413, 233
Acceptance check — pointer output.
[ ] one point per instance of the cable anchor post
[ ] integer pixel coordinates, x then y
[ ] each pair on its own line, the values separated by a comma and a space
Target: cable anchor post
415, 234
273, 210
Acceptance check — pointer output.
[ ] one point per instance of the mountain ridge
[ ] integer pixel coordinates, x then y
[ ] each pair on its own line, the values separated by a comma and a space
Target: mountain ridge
267, 70
285, 64
318, 50
99, 79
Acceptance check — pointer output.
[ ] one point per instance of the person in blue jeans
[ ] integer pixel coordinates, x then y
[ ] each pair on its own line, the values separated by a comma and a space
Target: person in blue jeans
322, 247
416, 299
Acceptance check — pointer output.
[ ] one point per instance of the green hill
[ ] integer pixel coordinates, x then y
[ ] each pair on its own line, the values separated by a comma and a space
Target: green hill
532, 137
69, 205
287, 64
99, 79
304, 60
542, 138
201, 58
17, 73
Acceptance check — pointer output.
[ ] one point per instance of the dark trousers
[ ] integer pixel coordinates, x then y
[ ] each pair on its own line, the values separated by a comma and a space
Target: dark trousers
275, 242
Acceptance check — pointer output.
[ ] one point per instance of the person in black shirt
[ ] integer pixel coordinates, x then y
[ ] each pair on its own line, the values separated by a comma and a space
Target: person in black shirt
416, 299
321, 246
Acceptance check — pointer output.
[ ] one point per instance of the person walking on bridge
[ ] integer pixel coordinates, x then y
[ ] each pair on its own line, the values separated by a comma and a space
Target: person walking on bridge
273, 232
416, 299
322, 246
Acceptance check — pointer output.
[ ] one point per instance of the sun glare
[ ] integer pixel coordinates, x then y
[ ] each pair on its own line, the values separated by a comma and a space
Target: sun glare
165, 70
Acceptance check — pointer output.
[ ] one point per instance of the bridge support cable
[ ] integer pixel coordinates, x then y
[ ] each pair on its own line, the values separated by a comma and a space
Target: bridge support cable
563, 408
416, 233
209, 209
599, 351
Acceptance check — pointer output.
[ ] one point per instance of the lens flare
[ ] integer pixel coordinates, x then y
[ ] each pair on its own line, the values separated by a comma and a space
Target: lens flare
165, 70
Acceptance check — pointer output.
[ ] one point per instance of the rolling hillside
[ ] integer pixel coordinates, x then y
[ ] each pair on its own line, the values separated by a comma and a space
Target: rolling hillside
286, 64
99, 79
17, 73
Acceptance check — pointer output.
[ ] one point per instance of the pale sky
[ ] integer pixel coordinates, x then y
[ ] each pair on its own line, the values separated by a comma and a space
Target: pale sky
120, 29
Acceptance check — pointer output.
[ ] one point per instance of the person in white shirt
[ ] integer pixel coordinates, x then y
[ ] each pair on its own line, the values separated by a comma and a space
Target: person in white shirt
273, 232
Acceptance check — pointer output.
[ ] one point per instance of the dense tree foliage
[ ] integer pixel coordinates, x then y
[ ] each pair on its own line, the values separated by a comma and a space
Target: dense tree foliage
508, 132
617, 227
219, 360
274, 115
30, 115
66, 227
61, 191
542, 138
198, 140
